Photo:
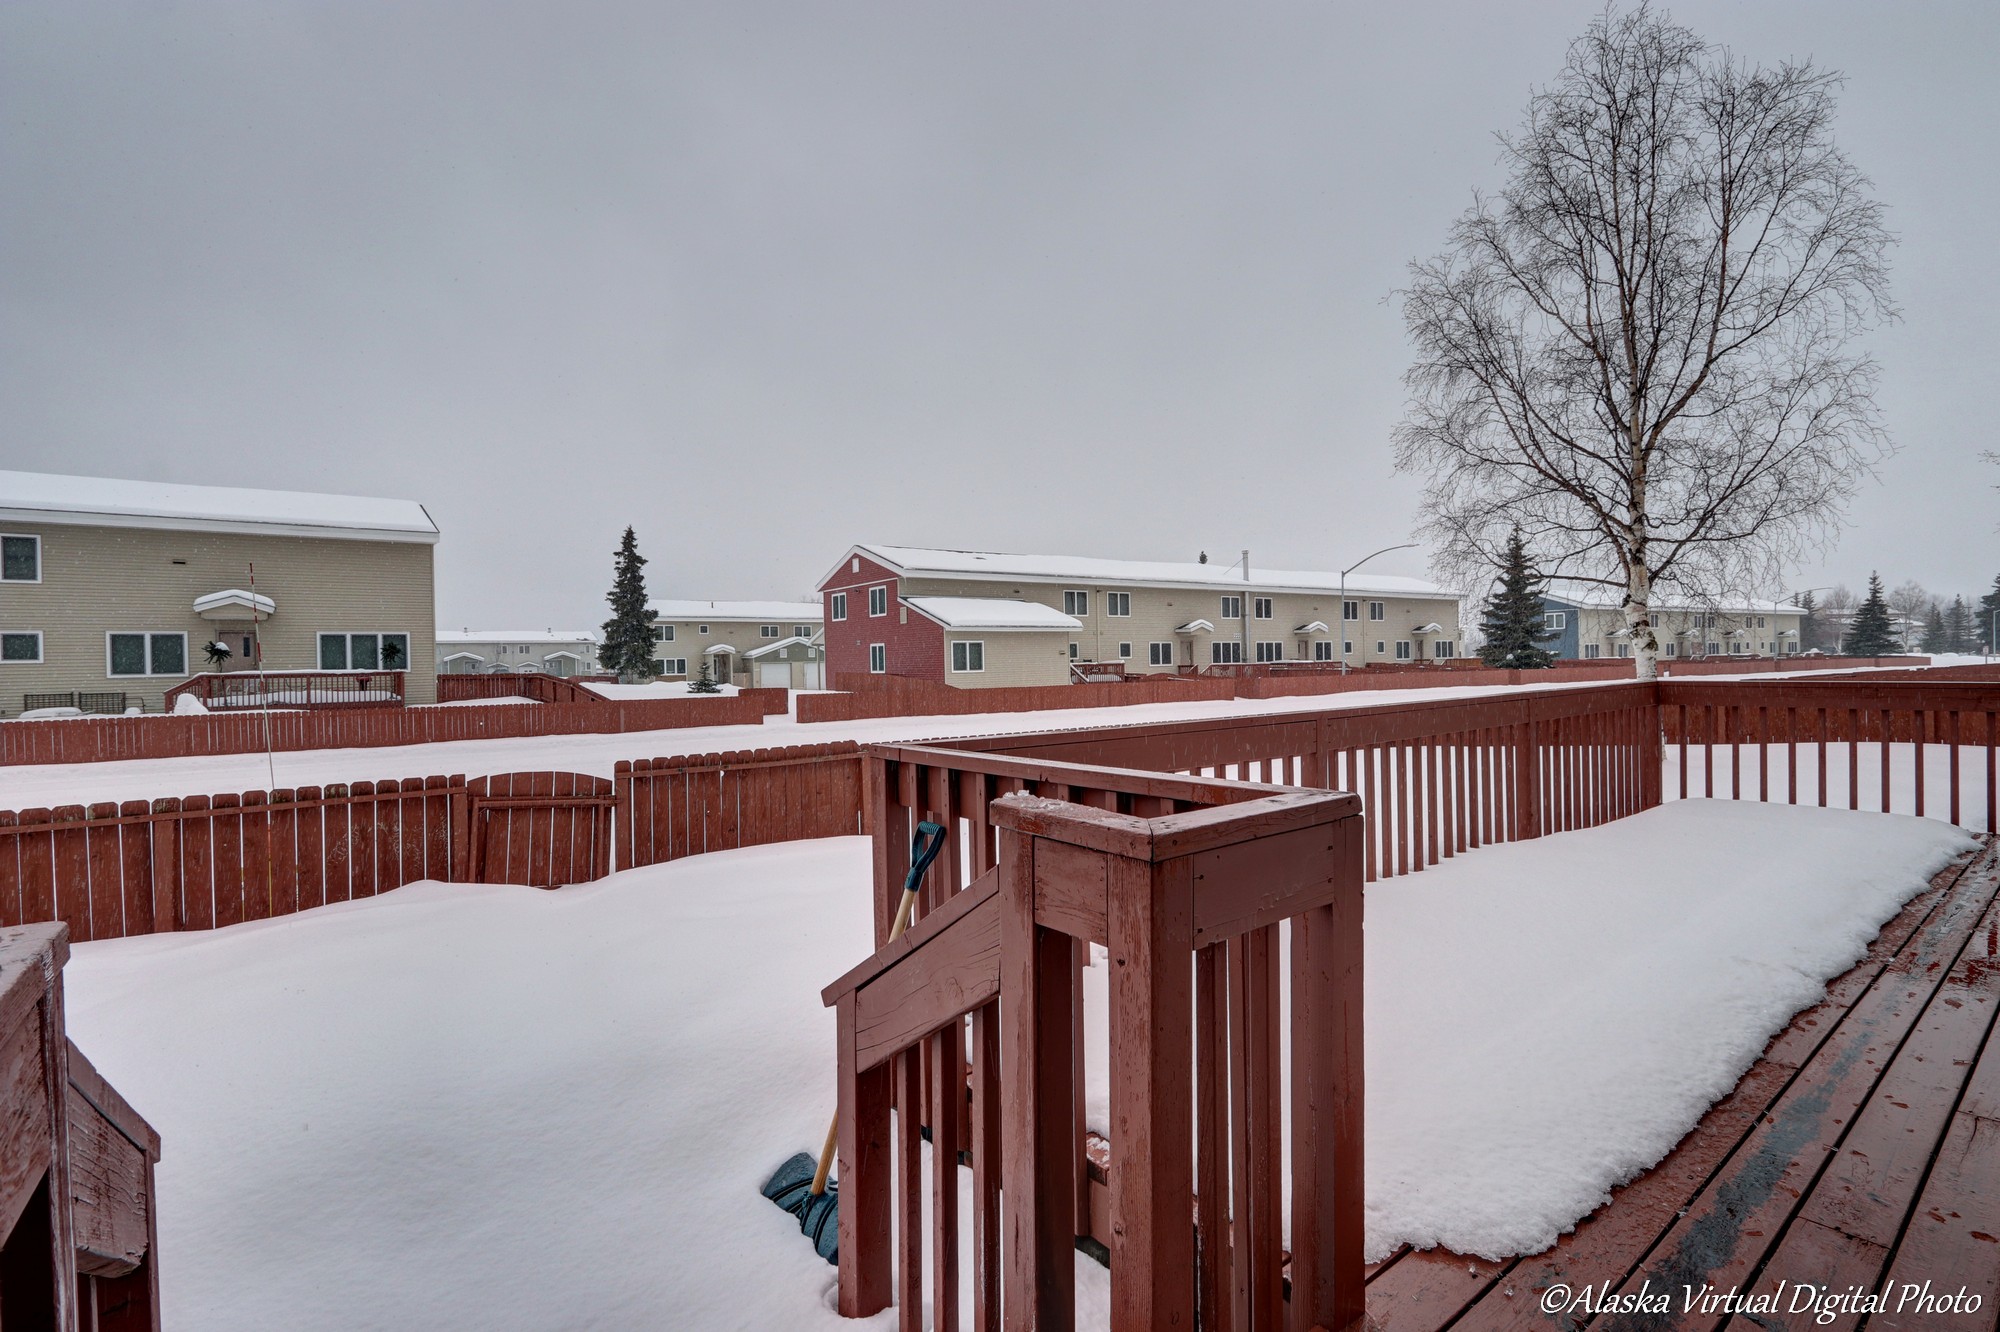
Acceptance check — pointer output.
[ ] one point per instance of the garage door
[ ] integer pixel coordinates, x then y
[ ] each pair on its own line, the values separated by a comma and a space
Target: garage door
774, 675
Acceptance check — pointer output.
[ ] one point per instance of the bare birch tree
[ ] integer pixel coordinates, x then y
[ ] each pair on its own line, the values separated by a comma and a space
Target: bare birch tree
1637, 351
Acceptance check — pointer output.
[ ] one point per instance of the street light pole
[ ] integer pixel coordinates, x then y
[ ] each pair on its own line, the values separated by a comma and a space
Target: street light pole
1407, 545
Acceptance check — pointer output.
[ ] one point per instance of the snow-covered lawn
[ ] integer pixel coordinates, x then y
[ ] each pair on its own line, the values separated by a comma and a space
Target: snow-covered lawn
493, 1107
24, 786
1868, 784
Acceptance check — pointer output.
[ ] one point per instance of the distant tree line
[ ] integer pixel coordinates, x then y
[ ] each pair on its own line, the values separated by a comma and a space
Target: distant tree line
1907, 618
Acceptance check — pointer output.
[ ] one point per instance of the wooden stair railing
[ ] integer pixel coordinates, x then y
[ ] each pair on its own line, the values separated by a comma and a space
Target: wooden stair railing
1189, 903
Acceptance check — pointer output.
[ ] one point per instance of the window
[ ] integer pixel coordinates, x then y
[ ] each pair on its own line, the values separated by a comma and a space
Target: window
663, 633
1159, 654
670, 666
1118, 603
1262, 608
878, 658
1232, 608
1376, 611
840, 605
1350, 610
1124, 652
1557, 620
1714, 650
1270, 651
1076, 603
701, 629
1402, 649
1322, 651
1347, 647
1672, 648
1381, 648
1590, 651
146, 654
1739, 648
1760, 622
365, 652
1624, 649
21, 645
878, 601
767, 631
20, 559
1074, 652
1225, 653
1444, 649
802, 631
968, 657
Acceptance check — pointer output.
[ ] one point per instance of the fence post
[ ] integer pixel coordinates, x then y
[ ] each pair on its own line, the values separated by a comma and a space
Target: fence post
622, 821
1652, 750
1527, 780
461, 833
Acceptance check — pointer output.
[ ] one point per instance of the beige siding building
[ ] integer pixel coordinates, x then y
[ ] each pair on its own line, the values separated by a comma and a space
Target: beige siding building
113, 589
1126, 617
517, 652
742, 642
1590, 624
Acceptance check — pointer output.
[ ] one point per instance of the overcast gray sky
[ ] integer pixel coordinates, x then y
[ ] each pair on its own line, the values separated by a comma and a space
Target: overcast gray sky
764, 280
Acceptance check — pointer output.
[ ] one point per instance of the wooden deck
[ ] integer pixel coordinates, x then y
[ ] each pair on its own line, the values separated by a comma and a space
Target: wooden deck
1860, 1154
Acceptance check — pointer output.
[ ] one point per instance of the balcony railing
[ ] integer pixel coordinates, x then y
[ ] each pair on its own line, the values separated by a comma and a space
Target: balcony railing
235, 690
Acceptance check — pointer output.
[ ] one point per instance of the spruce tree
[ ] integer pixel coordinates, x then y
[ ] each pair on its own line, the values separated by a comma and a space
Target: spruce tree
1515, 625
1936, 638
704, 683
1871, 633
1809, 622
628, 634
1961, 635
1989, 606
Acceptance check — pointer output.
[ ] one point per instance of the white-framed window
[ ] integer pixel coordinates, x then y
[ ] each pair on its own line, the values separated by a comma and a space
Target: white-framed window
20, 647
670, 666
1555, 619
1350, 610
1377, 611
1444, 649
1739, 648
1590, 651
145, 654
365, 652
1225, 652
1346, 647
1159, 654
1261, 608
878, 658
663, 633
968, 657
1232, 608
1672, 648
767, 631
1624, 649
1381, 648
1270, 651
1323, 651
839, 605
1124, 652
1074, 652
878, 601
1402, 649
802, 631
701, 629
20, 558
1076, 603
1713, 650
1118, 603
1760, 622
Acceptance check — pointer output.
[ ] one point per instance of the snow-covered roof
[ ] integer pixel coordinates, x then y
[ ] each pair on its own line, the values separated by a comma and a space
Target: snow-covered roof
234, 599
801, 612
1586, 596
1316, 627
97, 501
769, 649
528, 636
1195, 627
995, 613
924, 562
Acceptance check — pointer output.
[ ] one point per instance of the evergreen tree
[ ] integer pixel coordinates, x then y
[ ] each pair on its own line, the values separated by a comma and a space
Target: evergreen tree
628, 634
1936, 638
1961, 634
1515, 625
1809, 624
704, 683
1870, 633
1989, 606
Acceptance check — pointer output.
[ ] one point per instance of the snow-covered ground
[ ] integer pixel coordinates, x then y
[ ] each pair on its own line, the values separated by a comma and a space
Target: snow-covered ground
475, 1106
24, 786
1868, 783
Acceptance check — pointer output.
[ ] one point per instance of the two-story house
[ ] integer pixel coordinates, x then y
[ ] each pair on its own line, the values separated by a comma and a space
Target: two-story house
751, 643
980, 619
111, 592
1589, 624
517, 651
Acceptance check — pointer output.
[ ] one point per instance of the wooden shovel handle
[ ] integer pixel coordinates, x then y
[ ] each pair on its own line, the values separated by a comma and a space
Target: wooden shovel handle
903, 910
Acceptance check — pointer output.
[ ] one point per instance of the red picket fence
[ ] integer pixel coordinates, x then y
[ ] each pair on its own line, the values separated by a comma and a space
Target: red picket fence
97, 739
903, 696
674, 807
540, 688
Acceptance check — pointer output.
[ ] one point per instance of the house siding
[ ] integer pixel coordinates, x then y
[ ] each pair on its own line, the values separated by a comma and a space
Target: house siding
742, 635
1012, 658
915, 645
99, 580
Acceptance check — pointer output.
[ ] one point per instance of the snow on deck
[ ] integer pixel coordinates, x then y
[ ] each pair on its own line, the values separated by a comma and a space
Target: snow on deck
503, 1108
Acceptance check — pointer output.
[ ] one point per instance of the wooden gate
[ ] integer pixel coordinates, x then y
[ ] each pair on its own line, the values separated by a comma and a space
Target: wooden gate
542, 829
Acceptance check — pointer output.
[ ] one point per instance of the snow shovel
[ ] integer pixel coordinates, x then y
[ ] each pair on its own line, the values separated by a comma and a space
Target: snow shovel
801, 1186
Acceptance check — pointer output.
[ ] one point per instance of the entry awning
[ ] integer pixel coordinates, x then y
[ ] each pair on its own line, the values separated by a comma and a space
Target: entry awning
1196, 627
235, 604
1316, 627
719, 650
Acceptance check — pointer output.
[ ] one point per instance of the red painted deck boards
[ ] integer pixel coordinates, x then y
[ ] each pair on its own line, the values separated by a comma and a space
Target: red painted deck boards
1863, 1149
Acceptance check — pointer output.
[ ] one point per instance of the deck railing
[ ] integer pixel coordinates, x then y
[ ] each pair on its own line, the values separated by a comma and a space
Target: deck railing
229, 690
1154, 867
